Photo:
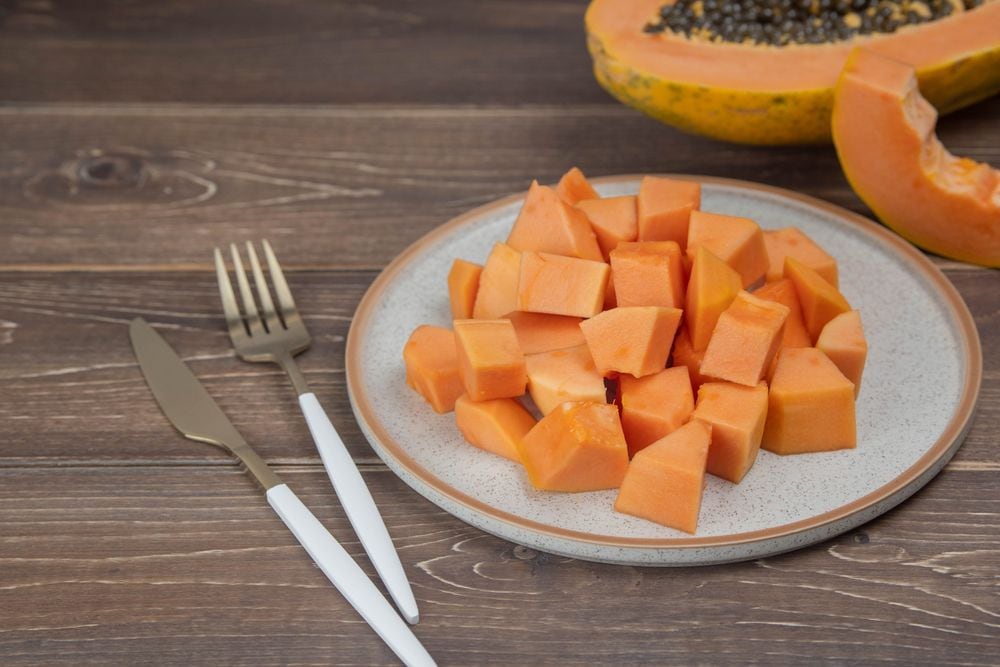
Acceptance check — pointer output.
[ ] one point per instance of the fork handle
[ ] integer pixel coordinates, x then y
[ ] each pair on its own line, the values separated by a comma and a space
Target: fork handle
348, 577
359, 506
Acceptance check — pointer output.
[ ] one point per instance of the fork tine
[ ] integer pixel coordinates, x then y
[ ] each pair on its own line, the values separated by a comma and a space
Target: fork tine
266, 304
229, 306
249, 305
284, 295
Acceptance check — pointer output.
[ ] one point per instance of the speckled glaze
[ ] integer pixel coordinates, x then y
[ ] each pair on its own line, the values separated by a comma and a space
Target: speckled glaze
917, 398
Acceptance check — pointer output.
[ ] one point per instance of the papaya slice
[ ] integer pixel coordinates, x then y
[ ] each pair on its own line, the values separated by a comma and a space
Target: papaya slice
633, 340
613, 219
654, 406
745, 340
820, 300
664, 206
463, 283
495, 426
793, 242
539, 332
431, 362
548, 224
843, 341
563, 376
489, 359
810, 405
739, 242
736, 414
665, 481
574, 187
576, 447
711, 288
942, 203
560, 285
496, 295
644, 278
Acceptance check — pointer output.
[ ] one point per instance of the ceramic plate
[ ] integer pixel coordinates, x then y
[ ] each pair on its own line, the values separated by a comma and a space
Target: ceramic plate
917, 398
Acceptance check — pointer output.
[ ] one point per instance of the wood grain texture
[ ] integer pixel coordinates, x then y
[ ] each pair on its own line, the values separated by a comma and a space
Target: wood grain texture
344, 187
110, 566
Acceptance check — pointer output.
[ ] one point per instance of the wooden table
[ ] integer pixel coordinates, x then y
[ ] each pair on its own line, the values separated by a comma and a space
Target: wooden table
136, 136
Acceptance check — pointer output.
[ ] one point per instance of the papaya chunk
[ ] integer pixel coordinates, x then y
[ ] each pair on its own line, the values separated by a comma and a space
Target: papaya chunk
563, 376
574, 187
745, 340
489, 359
560, 285
548, 224
496, 295
712, 287
820, 300
810, 406
843, 341
664, 207
495, 426
678, 272
665, 481
654, 406
540, 332
644, 278
793, 242
463, 283
613, 219
685, 355
431, 364
576, 447
783, 291
633, 340
737, 414
739, 242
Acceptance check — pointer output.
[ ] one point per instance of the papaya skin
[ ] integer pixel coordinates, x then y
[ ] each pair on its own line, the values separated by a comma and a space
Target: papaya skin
717, 104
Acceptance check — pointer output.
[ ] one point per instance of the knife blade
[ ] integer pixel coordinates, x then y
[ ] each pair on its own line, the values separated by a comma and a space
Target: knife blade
193, 411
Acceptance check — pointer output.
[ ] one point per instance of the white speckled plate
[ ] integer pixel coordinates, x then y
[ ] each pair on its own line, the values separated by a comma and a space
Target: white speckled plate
917, 399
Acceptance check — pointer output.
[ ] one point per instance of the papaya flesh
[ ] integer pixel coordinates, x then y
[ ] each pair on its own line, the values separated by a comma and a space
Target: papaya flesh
771, 95
942, 203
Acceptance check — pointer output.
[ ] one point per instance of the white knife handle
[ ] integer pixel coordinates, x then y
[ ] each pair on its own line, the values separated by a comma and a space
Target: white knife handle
359, 506
348, 577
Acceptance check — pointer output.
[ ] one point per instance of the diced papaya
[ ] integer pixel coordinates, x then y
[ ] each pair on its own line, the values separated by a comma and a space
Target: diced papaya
574, 187
495, 426
496, 296
560, 285
489, 359
685, 355
737, 414
712, 287
745, 340
678, 273
562, 376
463, 283
644, 278
843, 341
811, 405
576, 447
548, 224
820, 300
610, 300
739, 242
654, 406
793, 242
613, 220
540, 332
432, 366
633, 340
664, 206
665, 481
783, 291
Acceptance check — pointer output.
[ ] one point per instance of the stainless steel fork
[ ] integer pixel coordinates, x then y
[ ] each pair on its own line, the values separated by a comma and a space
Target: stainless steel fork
276, 334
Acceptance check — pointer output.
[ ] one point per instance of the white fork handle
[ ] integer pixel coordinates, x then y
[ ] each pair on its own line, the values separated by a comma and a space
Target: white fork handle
359, 506
348, 577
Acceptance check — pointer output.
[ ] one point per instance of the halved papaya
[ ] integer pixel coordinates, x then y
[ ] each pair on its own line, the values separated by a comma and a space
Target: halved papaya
942, 203
680, 64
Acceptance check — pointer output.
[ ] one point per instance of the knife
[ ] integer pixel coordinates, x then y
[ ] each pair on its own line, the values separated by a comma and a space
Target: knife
191, 409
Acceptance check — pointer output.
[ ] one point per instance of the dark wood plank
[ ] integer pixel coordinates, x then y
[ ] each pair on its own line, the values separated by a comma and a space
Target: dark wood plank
448, 52
337, 186
70, 391
179, 566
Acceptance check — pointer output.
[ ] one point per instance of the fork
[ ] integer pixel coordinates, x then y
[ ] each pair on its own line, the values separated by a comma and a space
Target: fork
277, 334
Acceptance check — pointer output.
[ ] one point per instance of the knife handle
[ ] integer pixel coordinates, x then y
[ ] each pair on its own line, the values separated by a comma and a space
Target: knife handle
359, 506
348, 577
